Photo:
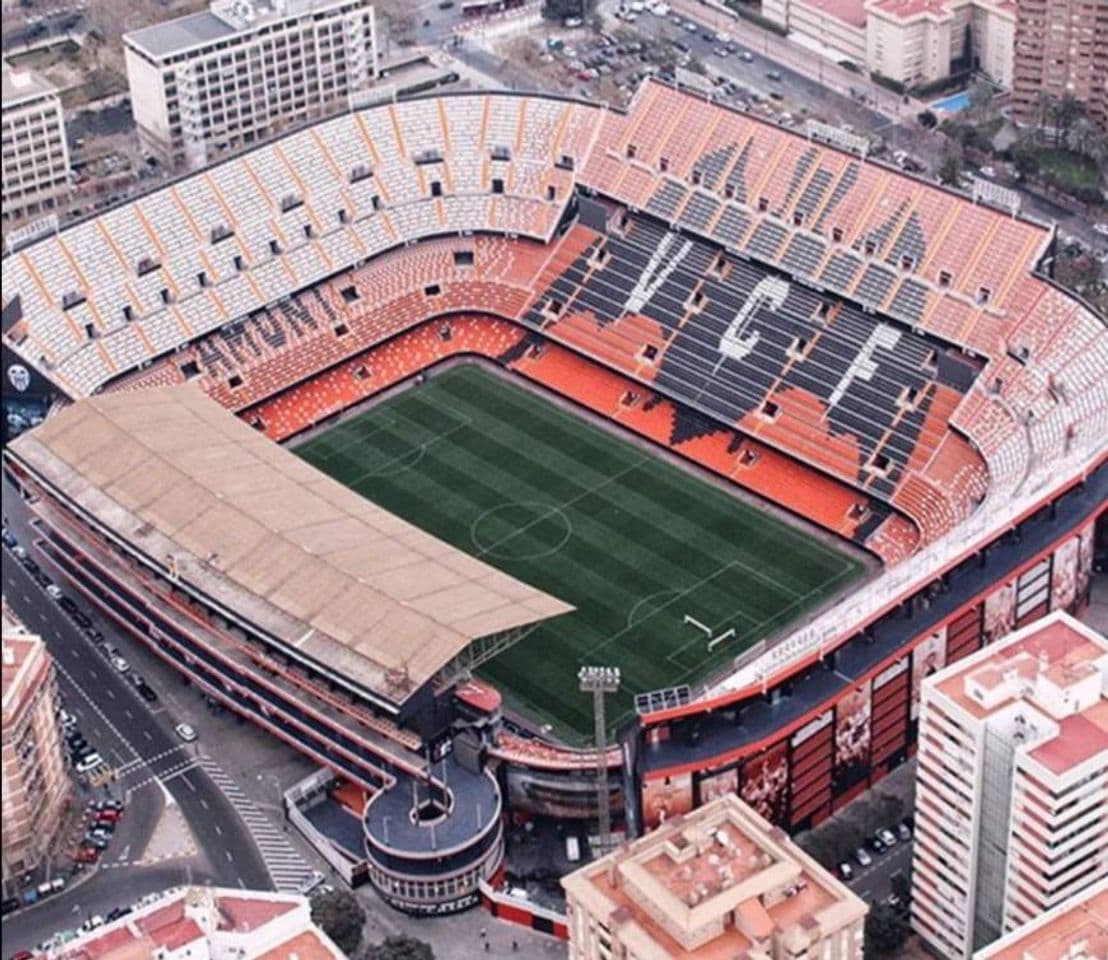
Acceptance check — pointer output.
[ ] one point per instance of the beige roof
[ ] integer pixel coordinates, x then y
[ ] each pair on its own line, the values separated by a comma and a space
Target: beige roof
296, 553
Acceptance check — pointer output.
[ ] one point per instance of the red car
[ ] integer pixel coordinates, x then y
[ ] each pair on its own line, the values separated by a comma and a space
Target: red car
108, 816
86, 855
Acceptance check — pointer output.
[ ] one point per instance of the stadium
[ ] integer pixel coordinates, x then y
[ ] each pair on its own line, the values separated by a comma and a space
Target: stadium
382, 430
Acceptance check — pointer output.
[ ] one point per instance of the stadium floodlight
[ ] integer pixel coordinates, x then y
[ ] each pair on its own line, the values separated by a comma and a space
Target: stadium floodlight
599, 681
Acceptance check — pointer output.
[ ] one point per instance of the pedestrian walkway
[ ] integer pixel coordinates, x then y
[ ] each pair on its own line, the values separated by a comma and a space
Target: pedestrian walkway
287, 869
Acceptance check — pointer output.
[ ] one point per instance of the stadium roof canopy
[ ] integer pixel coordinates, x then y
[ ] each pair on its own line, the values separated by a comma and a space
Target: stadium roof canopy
258, 530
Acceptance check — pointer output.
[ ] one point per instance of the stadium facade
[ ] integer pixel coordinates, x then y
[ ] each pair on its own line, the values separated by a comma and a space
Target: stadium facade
883, 358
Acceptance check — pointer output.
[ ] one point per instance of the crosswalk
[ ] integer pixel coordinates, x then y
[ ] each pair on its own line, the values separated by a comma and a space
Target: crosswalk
286, 867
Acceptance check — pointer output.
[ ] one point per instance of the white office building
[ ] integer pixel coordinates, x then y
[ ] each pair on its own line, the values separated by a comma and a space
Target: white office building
245, 70
35, 155
1012, 785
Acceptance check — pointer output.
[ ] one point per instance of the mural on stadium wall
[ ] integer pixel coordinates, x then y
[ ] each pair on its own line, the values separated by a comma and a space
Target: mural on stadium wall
928, 657
1000, 613
1063, 575
716, 785
765, 782
1085, 559
664, 798
852, 738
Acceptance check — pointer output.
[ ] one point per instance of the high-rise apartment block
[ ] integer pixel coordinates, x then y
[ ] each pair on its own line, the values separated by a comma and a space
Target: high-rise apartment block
244, 70
36, 786
35, 154
1061, 50
1012, 785
717, 882
1077, 930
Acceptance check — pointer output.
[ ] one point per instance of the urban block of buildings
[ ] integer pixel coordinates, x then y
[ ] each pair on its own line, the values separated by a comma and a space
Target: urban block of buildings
1012, 785
209, 923
717, 882
35, 153
1034, 48
1061, 48
1076, 930
36, 786
243, 71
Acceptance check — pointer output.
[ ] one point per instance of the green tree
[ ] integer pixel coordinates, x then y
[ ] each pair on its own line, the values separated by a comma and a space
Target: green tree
950, 169
886, 932
927, 119
341, 917
399, 948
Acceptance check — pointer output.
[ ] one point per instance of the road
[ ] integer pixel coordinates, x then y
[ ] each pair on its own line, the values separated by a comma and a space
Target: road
138, 741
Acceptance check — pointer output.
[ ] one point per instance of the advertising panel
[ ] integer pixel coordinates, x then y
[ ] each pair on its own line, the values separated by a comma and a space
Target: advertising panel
765, 782
1085, 560
1000, 613
716, 785
1063, 575
928, 657
665, 797
852, 737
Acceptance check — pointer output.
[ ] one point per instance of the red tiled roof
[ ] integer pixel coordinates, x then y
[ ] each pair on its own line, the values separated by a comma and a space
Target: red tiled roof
245, 913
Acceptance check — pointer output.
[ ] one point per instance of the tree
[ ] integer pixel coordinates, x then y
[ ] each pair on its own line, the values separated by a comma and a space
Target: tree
927, 119
341, 917
950, 169
886, 932
399, 948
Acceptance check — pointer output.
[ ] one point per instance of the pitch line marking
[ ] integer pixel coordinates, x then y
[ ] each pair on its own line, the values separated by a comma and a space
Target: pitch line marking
387, 422
382, 470
545, 510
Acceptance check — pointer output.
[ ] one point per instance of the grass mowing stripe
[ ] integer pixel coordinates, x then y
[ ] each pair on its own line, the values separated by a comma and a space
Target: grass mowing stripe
632, 541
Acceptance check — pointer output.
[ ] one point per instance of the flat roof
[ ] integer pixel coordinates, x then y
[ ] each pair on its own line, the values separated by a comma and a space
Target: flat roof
712, 884
296, 554
1078, 927
22, 84
172, 36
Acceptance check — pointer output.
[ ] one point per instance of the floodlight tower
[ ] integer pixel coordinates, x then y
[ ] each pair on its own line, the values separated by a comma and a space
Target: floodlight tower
599, 681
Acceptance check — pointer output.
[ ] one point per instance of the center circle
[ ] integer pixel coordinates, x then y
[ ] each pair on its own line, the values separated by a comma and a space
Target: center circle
523, 530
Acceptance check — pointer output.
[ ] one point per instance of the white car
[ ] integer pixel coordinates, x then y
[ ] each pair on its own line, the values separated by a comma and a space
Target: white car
120, 664
54, 592
89, 763
186, 732
309, 883
746, 56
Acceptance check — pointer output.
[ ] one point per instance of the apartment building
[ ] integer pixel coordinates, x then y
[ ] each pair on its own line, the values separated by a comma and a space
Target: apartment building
1061, 48
1076, 930
36, 786
921, 41
911, 41
243, 71
717, 882
208, 923
35, 154
1012, 785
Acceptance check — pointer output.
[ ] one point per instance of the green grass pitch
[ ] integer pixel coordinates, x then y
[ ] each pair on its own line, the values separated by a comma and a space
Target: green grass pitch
634, 542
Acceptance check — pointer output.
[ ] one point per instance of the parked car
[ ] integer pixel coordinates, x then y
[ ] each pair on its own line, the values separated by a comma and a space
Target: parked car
876, 844
774, 75
863, 858
887, 836
89, 763
147, 692
117, 912
904, 832
93, 922
86, 854
120, 664
54, 592
9, 903
309, 883
108, 816
846, 871
186, 732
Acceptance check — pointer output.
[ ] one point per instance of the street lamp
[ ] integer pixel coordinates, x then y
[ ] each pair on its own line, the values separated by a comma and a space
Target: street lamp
599, 681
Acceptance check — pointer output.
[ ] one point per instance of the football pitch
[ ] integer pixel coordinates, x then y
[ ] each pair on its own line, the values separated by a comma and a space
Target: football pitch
632, 541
